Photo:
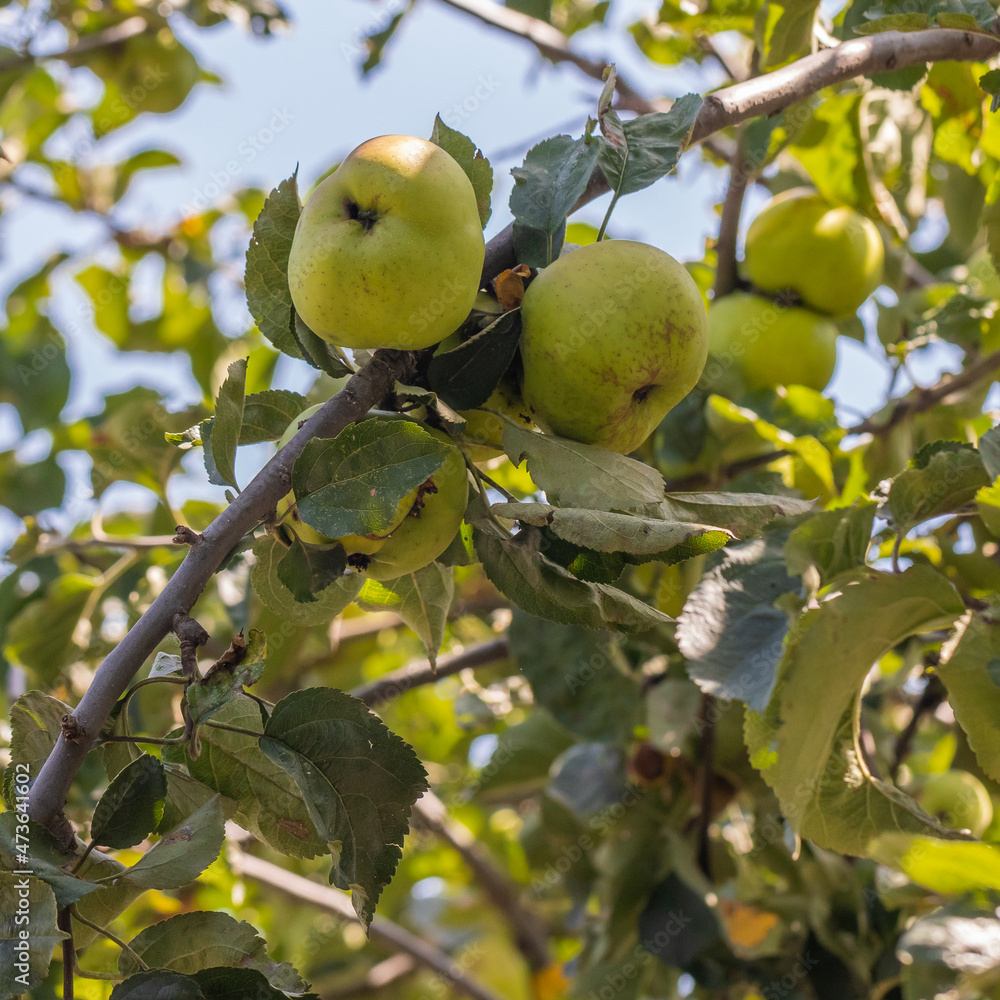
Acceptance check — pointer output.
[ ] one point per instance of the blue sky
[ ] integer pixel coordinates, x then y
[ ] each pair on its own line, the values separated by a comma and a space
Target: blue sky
298, 98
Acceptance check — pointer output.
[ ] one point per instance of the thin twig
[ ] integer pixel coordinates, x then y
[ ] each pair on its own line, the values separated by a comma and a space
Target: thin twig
706, 727
929, 699
64, 922
382, 930
551, 43
422, 672
128, 28
378, 977
529, 930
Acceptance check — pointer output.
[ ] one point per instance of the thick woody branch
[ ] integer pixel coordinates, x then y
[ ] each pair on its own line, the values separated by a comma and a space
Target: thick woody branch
423, 672
382, 930
253, 505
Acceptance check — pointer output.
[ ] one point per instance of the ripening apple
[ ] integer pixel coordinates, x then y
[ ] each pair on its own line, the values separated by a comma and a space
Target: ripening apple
958, 799
482, 436
830, 255
388, 250
425, 522
770, 344
613, 336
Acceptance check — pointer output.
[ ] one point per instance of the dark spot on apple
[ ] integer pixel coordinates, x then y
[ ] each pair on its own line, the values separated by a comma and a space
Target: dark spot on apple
358, 560
642, 393
367, 217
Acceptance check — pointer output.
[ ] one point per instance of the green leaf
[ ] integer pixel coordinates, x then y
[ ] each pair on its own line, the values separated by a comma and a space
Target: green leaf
24, 970
242, 666
185, 796
268, 586
317, 352
744, 514
789, 34
913, 21
109, 295
535, 248
158, 985
376, 42
307, 570
27, 489
40, 637
477, 168
581, 677
637, 153
243, 984
269, 806
546, 187
806, 743
42, 855
266, 415
353, 484
730, 633
35, 725
517, 568
834, 541
191, 942
268, 296
582, 475
181, 854
227, 425
358, 779
988, 505
938, 482
466, 376
422, 599
605, 531
131, 807
949, 867
989, 448
970, 671
990, 82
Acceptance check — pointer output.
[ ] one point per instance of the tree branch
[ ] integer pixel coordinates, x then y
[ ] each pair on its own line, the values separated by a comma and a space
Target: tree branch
253, 505
552, 44
382, 930
529, 930
921, 400
422, 672
729, 226
128, 28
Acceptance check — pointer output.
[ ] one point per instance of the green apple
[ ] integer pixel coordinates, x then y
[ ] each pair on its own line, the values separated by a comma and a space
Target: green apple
614, 335
770, 344
482, 437
831, 256
388, 250
958, 799
426, 519
430, 525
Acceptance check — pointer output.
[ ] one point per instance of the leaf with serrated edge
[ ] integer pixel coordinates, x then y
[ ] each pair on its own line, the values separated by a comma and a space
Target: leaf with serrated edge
183, 853
269, 806
35, 724
517, 568
353, 484
358, 779
582, 475
268, 296
227, 424
132, 805
744, 514
806, 743
648, 147
607, 531
191, 942
40, 930
477, 168
267, 414
970, 672
268, 552
158, 984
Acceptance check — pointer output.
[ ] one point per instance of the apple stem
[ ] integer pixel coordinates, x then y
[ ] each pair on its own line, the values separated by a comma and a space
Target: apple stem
607, 217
